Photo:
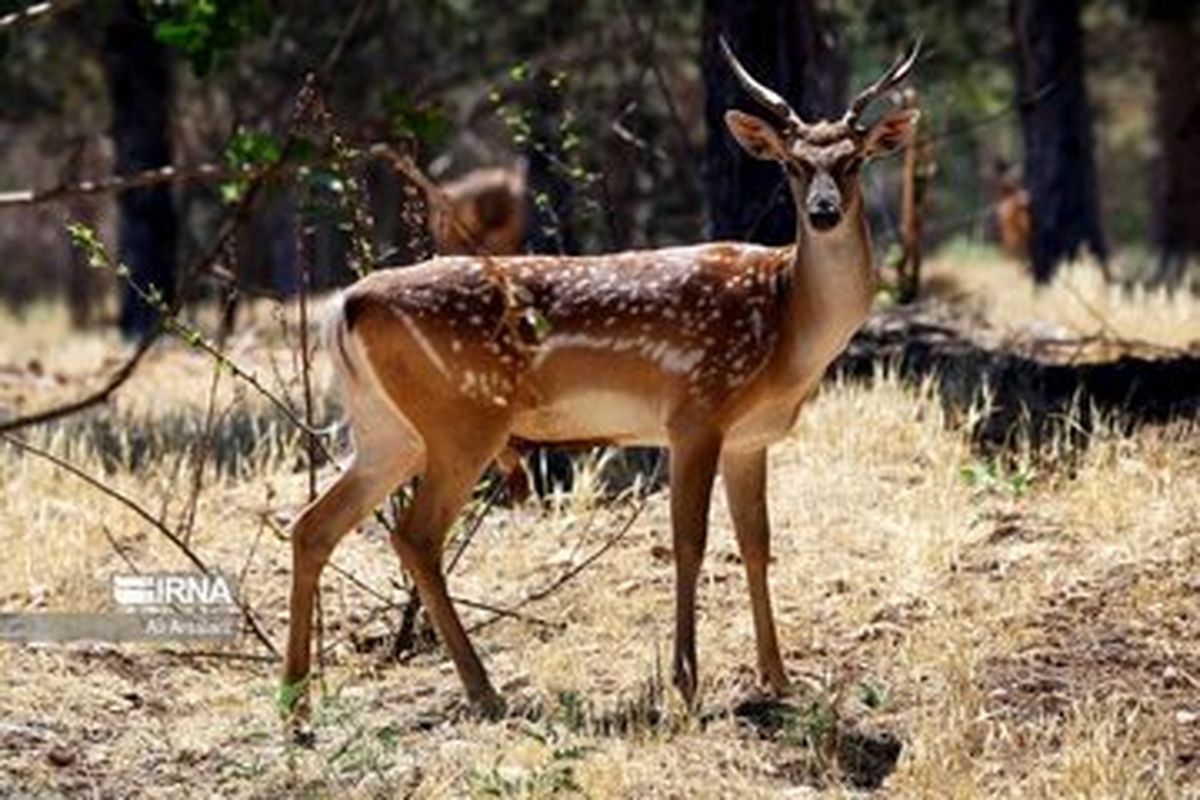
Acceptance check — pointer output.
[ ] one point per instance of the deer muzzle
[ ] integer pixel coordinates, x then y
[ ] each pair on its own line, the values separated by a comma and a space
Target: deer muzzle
824, 202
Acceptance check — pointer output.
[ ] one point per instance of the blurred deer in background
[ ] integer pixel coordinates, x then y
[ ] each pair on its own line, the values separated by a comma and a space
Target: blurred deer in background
1011, 208
485, 212
710, 350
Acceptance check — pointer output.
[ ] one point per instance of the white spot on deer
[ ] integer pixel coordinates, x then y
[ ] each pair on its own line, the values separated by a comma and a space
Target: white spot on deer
756, 325
662, 353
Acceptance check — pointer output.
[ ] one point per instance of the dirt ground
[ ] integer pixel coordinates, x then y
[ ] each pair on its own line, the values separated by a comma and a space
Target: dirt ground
956, 623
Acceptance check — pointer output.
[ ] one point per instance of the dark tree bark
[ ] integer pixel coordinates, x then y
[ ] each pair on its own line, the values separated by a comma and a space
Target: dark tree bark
790, 46
139, 84
550, 191
1176, 185
1056, 124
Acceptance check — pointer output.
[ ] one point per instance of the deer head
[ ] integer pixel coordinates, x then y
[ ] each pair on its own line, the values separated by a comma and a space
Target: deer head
822, 159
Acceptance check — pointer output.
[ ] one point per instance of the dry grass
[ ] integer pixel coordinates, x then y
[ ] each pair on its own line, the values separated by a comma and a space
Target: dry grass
1077, 304
1022, 628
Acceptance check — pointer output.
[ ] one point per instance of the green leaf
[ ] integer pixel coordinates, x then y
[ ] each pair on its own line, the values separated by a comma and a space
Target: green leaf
429, 124
207, 30
289, 693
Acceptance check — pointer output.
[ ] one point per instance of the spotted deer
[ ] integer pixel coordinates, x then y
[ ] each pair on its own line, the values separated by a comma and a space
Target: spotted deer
710, 350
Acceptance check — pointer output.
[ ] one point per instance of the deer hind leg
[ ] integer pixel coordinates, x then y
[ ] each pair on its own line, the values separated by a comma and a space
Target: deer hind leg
452, 469
377, 468
693, 465
745, 477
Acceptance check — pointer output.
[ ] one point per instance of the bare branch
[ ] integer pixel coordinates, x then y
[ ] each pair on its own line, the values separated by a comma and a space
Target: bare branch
199, 173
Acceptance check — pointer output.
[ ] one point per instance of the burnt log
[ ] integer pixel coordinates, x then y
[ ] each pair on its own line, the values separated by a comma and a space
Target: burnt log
1037, 389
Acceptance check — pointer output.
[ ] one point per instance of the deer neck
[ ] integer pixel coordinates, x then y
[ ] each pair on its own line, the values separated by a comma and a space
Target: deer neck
833, 285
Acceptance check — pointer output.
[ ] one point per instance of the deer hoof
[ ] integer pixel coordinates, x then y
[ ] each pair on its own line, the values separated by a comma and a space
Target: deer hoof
489, 705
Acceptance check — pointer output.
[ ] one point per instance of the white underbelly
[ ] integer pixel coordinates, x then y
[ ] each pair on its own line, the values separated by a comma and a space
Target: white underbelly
594, 414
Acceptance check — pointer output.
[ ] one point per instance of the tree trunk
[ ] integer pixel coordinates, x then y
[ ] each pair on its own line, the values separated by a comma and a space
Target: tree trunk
790, 46
1176, 188
139, 84
1056, 123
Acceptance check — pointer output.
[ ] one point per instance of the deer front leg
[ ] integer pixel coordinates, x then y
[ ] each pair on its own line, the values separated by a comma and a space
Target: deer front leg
745, 475
693, 466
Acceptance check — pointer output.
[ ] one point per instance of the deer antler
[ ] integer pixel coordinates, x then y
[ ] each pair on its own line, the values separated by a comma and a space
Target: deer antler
894, 75
767, 97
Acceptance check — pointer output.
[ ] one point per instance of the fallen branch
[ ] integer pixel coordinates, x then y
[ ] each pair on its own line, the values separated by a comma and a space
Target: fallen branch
1027, 389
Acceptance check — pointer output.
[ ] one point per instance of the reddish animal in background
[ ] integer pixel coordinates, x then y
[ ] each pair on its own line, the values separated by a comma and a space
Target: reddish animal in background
1014, 221
485, 212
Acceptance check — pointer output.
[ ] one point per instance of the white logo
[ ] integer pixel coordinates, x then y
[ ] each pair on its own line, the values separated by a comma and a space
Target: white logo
161, 591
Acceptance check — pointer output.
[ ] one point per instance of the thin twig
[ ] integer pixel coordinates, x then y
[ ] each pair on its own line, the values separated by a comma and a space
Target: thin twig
311, 441
200, 173
571, 572
648, 47
241, 579
508, 613
219, 655
469, 535
119, 550
203, 447
339, 46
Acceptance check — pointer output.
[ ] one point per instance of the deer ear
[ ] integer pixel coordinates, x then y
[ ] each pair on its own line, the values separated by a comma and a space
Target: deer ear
756, 137
891, 131
519, 175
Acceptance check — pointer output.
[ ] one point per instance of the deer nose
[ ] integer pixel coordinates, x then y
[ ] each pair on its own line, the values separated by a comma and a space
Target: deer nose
824, 202
824, 213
